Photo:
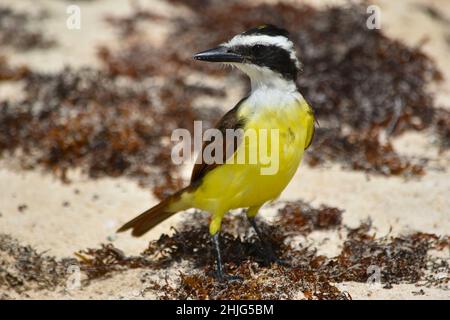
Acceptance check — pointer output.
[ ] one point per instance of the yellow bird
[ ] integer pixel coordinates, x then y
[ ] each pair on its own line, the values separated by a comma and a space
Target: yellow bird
276, 125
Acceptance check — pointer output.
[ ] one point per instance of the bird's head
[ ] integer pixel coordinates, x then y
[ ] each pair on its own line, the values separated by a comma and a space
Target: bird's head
264, 53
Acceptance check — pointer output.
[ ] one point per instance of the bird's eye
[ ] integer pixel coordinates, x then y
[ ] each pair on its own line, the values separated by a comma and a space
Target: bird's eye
257, 48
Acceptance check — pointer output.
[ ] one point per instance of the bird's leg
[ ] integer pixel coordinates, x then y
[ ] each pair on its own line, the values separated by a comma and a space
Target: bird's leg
266, 245
219, 268
221, 276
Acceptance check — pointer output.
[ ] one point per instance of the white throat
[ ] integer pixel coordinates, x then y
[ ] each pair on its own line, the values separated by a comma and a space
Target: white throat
263, 78
269, 89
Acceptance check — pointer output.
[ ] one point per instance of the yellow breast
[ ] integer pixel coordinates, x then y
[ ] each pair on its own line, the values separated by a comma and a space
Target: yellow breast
273, 146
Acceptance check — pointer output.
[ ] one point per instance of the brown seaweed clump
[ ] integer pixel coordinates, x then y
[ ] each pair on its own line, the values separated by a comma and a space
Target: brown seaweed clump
442, 127
19, 30
9, 73
86, 119
362, 151
97, 263
22, 268
299, 217
303, 274
101, 123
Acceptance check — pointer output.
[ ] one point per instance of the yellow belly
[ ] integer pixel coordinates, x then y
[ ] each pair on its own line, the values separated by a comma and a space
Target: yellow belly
282, 134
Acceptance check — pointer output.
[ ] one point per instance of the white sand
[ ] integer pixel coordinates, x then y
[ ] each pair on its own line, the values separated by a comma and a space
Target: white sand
102, 205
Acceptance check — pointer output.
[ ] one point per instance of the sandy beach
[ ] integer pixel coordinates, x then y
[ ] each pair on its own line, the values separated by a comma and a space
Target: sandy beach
59, 219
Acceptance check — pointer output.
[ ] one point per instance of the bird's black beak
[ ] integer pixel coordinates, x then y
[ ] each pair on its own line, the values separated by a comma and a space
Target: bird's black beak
219, 54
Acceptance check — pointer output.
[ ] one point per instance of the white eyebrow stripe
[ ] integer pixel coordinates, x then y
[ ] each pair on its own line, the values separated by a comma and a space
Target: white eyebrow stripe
250, 40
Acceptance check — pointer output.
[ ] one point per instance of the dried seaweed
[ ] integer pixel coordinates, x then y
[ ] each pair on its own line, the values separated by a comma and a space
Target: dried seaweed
305, 274
105, 126
361, 151
19, 30
22, 268
9, 73
97, 263
359, 85
300, 218
261, 283
137, 60
194, 244
128, 25
442, 127
401, 259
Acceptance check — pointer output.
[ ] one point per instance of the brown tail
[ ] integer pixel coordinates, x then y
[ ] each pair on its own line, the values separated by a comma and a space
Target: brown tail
153, 216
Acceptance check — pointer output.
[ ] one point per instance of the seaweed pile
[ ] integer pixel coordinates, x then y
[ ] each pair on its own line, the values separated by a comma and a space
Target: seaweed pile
22, 268
304, 273
106, 126
19, 30
98, 263
402, 259
362, 151
9, 73
99, 122
442, 127
83, 118
115, 121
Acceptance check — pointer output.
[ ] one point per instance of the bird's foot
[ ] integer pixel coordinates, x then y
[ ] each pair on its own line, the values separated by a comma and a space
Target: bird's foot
223, 277
282, 262
272, 258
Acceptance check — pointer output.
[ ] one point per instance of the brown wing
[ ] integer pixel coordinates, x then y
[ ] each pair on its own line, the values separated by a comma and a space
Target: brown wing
313, 128
229, 121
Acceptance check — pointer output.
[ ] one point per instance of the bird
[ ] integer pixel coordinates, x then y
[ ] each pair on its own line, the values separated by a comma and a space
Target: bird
268, 57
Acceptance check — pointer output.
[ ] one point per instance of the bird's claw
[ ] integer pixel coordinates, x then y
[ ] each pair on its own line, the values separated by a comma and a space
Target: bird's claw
228, 277
282, 262
273, 259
